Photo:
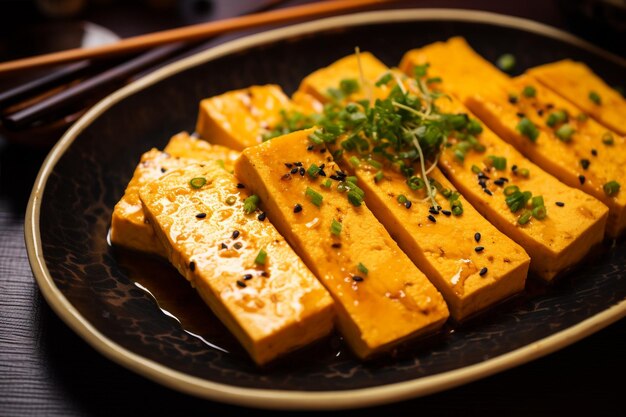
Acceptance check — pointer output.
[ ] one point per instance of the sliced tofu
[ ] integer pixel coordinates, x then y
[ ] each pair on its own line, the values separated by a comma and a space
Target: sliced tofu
273, 306
356, 68
129, 228
239, 118
380, 296
582, 161
576, 82
453, 265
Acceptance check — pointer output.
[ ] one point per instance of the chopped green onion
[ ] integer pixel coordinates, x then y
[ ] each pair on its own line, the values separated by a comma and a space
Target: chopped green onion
327, 183
595, 97
354, 161
355, 198
510, 189
476, 169
474, 127
335, 227
352, 179
556, 117
415, 183
362, 268
523, 172
384, 80
457, 207
582, 117
506, 62
537, 201
261, 257
525, 217
528, 129
540, 212
220, 162
402, 199
498, 162
231, 199
197, 182
315, 197
611, 188
313, 171
374, 163
432, 80
607, 138
420, 70
529, 91
250, 203
379, 176
565, 132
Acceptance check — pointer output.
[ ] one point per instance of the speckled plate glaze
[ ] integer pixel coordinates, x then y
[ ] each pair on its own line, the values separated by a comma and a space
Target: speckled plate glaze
85, 282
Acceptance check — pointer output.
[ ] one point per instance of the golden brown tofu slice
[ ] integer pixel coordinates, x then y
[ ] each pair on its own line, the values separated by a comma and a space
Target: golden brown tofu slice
243, 269
129, 228
577, 83
380, 296
240, 118
543, 126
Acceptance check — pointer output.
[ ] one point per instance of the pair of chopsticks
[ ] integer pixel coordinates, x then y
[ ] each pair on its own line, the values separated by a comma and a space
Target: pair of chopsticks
165, 44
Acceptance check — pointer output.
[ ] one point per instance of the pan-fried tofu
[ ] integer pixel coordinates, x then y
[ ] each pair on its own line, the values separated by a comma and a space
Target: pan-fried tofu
243, 269
239, 118
129, 228
577, 83
380, 296
543, 126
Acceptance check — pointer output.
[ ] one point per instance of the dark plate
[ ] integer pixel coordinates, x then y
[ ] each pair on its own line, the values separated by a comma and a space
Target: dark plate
94, 288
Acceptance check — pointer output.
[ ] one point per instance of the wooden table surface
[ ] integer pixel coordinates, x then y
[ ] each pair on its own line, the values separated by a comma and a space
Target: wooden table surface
45, 369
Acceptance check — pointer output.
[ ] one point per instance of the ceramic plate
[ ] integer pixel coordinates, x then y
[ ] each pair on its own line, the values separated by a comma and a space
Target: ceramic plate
105, 295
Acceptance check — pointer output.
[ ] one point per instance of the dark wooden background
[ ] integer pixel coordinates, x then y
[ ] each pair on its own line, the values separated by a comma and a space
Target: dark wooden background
45, 369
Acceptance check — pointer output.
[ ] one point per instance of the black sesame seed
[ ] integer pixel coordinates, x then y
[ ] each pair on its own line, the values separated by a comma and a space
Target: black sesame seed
247, 277
310, 147
357, 278
514, 168
192, 266
585, 163
482, 175
487, 191
477, 237
288, 165
302, 171
560, 204
262, 216
446, 212
237, 245
323, 150
582, 179
594, 152
432, 218
297, 208
334, 177
321, 173
236, 234
265, 274
482, 183
520, 114
200, 215
240, 185
336, 245
479, 248
512, 99
505, 179
294, 170
241, 284
499, 182
483, 271
433, 210
223, 246
163, 170
408, 204
549, 106
540, 112
298, 164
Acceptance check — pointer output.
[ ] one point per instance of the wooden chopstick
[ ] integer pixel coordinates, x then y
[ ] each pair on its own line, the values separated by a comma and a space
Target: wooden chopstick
189, 33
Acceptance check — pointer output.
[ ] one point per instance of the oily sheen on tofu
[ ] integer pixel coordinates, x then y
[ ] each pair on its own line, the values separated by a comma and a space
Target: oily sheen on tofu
271, 307
376, 309
583, 162
129, 228
575, 81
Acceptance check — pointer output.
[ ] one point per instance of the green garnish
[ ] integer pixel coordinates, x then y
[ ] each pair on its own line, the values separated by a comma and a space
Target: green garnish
290, 122
537, 201
595, 97
261, 257
327, 183
476, 169
355, 198
523, 172
565, 132
498, 162
362, 268
335, 227
510, 189
379, 176
401, 199
250, 204
315, 197
506, 62
540, 212
354, 161
231, 199
352, 179
313, 171
607, 138
529, 91
582, 117
433, 80
384, 80
197, 182
525, 217
374, 163
528, 129
556, 117
420, 70
611, 188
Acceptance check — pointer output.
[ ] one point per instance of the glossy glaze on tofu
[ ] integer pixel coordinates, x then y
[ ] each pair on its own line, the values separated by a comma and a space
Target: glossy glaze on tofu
380, 296
272, 303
